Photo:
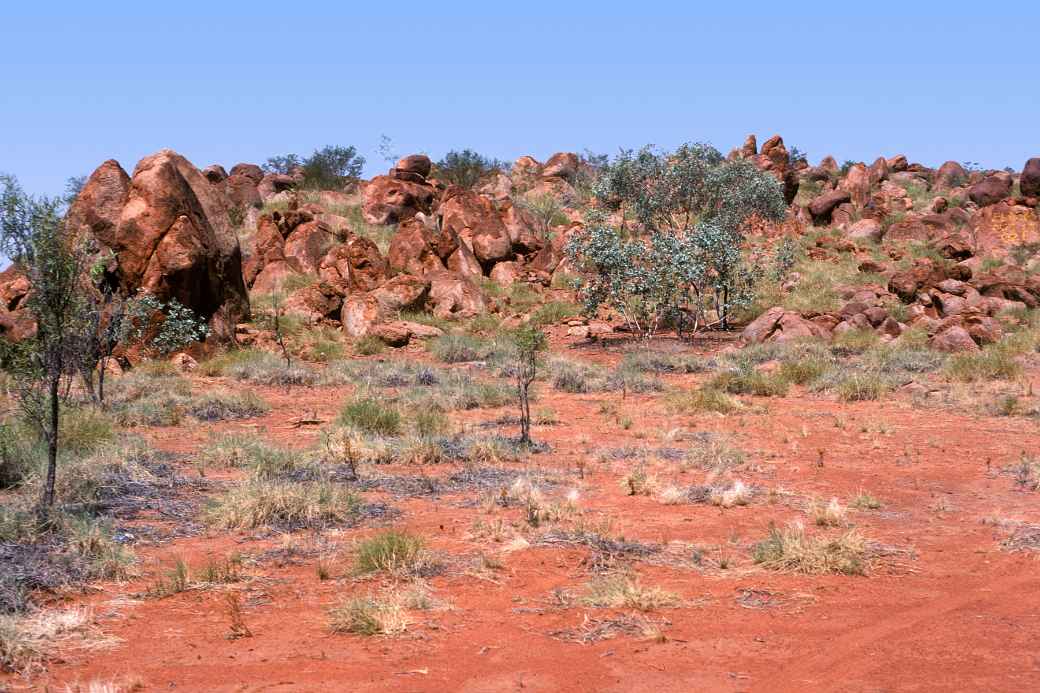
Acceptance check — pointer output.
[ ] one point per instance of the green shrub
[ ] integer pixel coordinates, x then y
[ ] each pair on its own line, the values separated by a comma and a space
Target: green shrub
371, 415
396, 553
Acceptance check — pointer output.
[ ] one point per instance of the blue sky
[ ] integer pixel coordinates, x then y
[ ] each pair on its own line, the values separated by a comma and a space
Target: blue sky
223, 82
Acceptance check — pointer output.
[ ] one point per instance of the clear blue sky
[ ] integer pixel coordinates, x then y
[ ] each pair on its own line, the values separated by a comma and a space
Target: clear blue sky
225, 81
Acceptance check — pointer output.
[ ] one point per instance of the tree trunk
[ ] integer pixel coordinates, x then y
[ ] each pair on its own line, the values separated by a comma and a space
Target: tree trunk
52, 448
101, 380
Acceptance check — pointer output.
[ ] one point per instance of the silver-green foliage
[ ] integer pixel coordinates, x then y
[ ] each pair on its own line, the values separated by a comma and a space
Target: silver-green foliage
681, 259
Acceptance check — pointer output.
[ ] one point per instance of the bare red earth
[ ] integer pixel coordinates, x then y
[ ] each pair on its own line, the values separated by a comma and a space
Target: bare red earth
954, 612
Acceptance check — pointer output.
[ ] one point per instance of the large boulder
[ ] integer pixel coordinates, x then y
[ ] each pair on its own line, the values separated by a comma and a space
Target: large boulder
250, 171
274, 183
822, 207
307, 245
419, 247
389, 200
403, 292
475, 221
415, 165
949, 175
780, 325
172, 238
354, 266
454, 296
775, 159
1029, 181
857, 183
242, 193
990, 190
97, 208
1003, 226
953, 339
562, 165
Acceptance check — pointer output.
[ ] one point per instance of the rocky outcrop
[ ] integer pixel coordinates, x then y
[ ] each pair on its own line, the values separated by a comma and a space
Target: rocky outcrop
1029, 181
823, 206
990, 190
171, 236
390, 200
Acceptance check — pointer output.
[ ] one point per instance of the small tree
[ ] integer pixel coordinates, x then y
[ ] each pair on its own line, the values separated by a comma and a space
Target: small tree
528, 341
466, 168
33, 234
107, 323
327, 168
683, 254
332, 167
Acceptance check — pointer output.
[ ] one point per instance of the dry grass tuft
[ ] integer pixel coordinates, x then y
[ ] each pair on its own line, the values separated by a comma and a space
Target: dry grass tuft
619, 590
791, 549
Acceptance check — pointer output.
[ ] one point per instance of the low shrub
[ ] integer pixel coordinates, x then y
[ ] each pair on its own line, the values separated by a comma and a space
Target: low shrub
371, 415
392, 552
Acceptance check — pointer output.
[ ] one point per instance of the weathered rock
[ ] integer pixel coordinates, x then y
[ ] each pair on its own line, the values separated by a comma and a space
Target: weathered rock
454, 296
907, 283
1001, 227
857, 183
780, 325
242, 192
387, 200
418, 249
983, 329
419, 164
474, 219
273, 184
403, 292
775, 159
1029, 181
394, 334
990, 190
822, 207
250, 171
307, 245
865, 230
315, 302
173, 240
897, 163
505, 273
97, 208
215, 173
360, 313
750, 147
561, 165
953, 339
949, 175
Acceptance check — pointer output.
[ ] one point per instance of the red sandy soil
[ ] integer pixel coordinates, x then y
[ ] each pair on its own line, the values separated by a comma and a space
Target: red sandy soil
954, 611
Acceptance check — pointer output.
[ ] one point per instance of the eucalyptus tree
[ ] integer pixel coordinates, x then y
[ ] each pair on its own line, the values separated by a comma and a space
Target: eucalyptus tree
680, 259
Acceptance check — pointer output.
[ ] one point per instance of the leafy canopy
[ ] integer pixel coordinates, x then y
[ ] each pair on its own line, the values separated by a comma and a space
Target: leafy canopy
675, 252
